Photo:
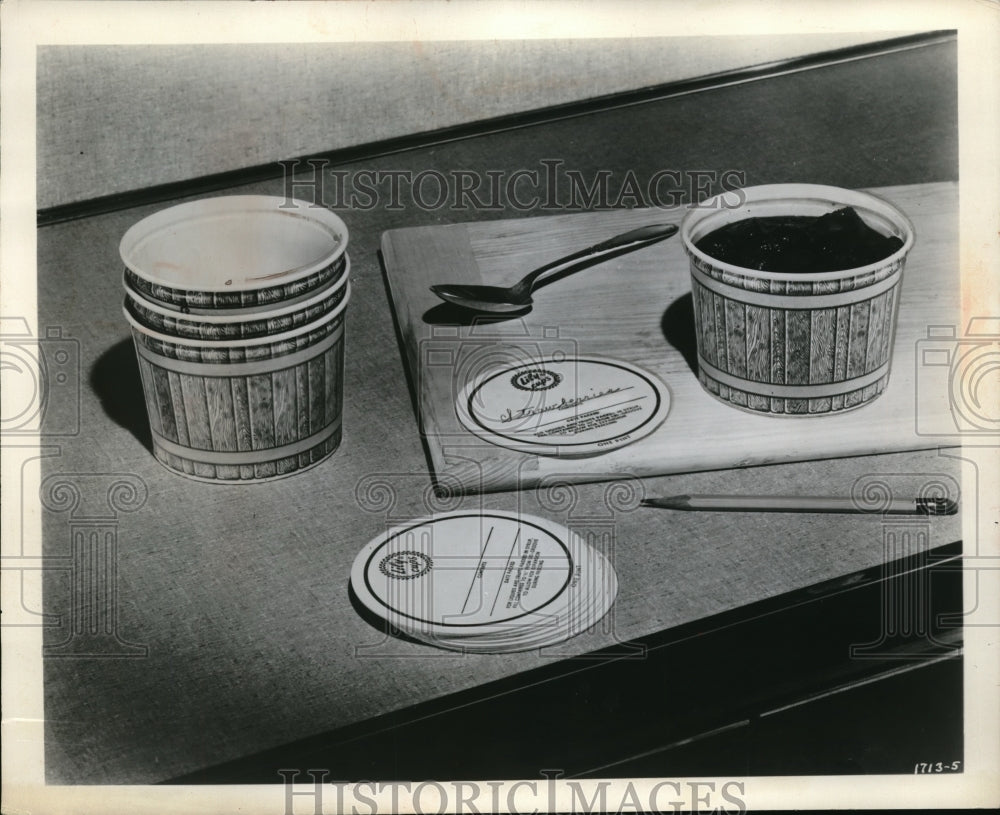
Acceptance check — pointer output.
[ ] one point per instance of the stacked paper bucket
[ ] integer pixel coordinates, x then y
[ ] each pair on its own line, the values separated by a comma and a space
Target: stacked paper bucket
237, 306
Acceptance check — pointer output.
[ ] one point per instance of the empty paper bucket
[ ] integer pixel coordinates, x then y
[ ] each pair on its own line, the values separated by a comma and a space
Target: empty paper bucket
244, 410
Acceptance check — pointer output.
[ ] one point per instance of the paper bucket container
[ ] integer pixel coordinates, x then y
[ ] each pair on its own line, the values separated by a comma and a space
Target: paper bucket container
237, 324
234, 252
794, 344
244, 410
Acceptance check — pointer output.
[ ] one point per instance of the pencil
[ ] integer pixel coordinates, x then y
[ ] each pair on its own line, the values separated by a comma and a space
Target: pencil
803, 503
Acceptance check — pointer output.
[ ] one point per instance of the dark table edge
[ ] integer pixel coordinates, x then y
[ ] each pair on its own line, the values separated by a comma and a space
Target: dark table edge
700, 634
234, 178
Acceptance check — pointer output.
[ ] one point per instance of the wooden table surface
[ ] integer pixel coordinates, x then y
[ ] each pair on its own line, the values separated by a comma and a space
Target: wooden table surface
235, 627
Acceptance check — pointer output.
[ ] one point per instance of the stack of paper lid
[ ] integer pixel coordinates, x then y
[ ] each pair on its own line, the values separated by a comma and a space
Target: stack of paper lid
486, 582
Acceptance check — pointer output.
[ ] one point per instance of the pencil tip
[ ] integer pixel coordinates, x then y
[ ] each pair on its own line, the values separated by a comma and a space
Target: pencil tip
669, 502
936, 506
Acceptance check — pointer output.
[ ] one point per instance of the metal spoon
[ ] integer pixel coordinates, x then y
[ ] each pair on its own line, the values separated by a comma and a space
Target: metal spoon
499, 299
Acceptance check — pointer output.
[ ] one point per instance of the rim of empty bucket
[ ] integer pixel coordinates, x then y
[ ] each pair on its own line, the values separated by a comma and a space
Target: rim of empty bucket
233, 243
767, 199
243, 315
236, 342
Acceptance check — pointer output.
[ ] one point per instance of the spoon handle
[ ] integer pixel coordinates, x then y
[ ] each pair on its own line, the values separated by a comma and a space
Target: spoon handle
632, 239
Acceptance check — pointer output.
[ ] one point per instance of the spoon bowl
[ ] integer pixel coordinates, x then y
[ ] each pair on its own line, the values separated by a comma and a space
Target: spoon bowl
494, 299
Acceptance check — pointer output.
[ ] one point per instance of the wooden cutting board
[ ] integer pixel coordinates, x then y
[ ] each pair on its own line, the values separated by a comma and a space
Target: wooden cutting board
637, 308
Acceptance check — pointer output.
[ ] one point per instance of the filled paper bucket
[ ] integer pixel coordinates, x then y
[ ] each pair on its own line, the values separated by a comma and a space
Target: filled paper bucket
801, 343
235, 411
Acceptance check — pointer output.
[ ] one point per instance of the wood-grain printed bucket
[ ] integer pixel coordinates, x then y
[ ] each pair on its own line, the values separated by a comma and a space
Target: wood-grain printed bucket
236, 411
794, 343
236, 324
234, 252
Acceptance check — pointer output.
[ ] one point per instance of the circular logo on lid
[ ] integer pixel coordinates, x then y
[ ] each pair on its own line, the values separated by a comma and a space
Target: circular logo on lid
405, 565
535, 379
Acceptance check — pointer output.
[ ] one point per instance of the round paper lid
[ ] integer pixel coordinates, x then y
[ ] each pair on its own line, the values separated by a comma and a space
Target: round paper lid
485, 582
465, 571
564, 406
